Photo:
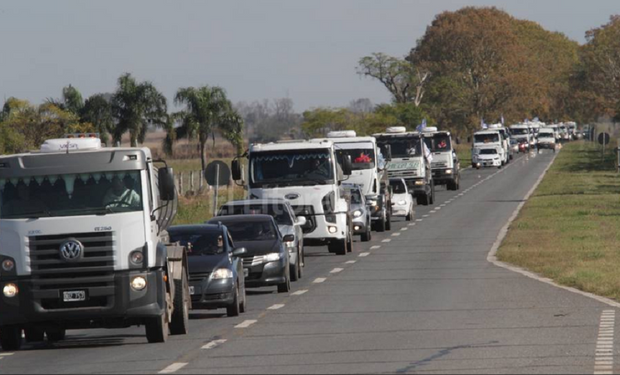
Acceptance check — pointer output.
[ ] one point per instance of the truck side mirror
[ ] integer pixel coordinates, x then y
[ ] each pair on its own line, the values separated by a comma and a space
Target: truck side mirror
347, 165
167, 189
235, 167
388, 153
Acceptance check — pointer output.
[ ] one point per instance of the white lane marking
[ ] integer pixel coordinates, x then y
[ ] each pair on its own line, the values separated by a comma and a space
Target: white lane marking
604, 360
438, 208
362, 255
443, 205
426, 215
214, 344
396, 234
350, 262
386, 240
336, 270
246, 324
412, 225
404, 229
300, 292
375, 247
319, 280
419, 220
6, 354
173, 368
275, 307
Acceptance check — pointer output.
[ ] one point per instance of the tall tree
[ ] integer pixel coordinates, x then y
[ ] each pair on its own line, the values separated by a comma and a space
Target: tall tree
97, 110
71, 100
135, 106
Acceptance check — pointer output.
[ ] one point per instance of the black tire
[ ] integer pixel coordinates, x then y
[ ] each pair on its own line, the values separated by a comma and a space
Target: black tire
388, 222
294, 271
234, 309
365, 237
300, 270
350, 241
179, 324
286, 286
10, 338
56, 335
157, 329
410, 216
34, 334
339, 247
381, 224
243, 306
431, 199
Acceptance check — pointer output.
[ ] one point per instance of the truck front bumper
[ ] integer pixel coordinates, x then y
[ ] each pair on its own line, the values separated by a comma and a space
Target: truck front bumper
418, 187
114, 305
443, 176
326, 231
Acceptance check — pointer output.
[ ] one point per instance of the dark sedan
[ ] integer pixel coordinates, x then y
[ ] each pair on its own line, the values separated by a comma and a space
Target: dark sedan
215, 268
266, 261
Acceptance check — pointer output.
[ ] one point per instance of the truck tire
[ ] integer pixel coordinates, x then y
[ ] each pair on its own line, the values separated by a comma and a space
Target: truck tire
234, 309
56, 335
338, 247
10, 338
431, 199
285, 287
157, 329
179, 324
34, 334
349, 240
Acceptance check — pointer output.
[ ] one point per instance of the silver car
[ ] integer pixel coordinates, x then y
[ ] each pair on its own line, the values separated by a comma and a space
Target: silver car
288, 224
359, 212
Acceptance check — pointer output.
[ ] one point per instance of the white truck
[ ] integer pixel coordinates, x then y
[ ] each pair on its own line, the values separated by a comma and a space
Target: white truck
546, 139
308, 175
83, 243
368, 171
445, 166
411, 160
522, 134
489, 138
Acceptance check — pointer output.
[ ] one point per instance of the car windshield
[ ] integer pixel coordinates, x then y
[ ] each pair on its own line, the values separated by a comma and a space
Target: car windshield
518, 131
398, 186
278, 211
401, 147
70, 195
546, 135
356, 196
206, 243
490, 151
362, 158
486, 138
291, 168
251, 230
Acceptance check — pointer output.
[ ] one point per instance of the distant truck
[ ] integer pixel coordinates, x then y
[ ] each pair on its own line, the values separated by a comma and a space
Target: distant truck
309, 176
522, 134
83, 243
486, 139
446, 166
411, 160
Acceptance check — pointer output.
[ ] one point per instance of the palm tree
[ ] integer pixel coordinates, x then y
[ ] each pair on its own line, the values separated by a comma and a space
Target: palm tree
206, 110
97, 110
71, 100
135, 106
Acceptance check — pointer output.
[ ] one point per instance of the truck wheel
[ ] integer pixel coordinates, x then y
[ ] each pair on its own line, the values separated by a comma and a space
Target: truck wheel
34, 334
56, 335
349, 241
285, 287
10, 338
234, 309
180, 316
338, 247
431, 199
157, 329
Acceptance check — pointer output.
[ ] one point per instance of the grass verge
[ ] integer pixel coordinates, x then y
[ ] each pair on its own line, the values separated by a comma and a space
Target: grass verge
463, 151
569, 230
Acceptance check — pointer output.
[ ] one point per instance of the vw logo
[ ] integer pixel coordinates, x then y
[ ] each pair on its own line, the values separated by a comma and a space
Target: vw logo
291, 196
71, 250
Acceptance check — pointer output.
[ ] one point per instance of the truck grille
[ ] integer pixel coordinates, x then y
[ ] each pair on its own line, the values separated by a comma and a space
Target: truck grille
403, 174
439, 165
94, 272
308, 213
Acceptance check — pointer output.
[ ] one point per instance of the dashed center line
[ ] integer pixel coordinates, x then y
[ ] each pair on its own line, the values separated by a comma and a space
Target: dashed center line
418, 220
319, 280
412, 225
362, 255
6, 354
386, 240
276, 307
426, 215
396, 234
246, 324
432, 212
375, 247
604, 360
336, 270
173, 368
350, 262
214, 344
404, 229
300, 292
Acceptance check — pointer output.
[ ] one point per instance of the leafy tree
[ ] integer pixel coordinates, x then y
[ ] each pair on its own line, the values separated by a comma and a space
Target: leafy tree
135, 106
97, 110
71, 100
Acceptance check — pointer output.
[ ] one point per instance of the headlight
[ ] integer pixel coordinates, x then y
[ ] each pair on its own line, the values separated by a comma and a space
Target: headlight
223, 273
138, 283
402, 203
8, 265
136, 257
10, 290
332, 230
372, 203
419, 182
448, 171
273, 257
357, 213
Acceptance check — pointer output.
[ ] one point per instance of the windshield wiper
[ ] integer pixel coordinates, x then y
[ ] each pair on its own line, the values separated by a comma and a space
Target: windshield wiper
37, 214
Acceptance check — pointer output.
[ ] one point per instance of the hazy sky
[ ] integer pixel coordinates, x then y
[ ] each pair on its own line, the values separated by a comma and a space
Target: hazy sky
307, 50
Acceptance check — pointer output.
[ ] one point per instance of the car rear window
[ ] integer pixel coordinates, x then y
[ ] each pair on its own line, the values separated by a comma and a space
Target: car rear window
278, 211
251, 230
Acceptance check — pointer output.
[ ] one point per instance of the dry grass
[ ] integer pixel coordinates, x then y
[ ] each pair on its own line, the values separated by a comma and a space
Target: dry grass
463, 151
569, 230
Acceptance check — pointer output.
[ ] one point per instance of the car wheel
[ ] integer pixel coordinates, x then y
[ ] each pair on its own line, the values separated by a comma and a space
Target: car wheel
300, 268
365, 237
388, 222
285, 287
34, 334
56, 335
294, 270
243, 307
381, 224
234, 309
10, 338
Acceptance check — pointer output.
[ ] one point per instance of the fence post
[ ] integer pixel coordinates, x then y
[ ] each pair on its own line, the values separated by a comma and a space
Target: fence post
191, 181
181, 184
200, 180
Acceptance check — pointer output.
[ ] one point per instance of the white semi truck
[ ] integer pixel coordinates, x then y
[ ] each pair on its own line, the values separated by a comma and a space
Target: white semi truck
488, 138
522, 134
411, 160
446, 166
83, 243
369, 171
308, 175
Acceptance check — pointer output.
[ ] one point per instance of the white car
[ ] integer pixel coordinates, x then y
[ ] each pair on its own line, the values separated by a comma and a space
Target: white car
487, 157
402, 200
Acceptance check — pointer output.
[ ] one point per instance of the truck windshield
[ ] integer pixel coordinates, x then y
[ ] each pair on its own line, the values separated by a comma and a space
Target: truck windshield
486, 138
519, 131
546, 135
291, 168
401, 147
362, 158
486, 151
70, 195
440, 143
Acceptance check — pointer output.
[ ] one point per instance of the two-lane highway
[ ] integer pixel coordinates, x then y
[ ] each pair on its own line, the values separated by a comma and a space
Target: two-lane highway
420, 298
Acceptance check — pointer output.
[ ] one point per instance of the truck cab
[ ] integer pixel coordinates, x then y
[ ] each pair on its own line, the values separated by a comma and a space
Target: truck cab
411, 160
445, 165
489, 138
522, 134
308, 175
83, 243
369, 171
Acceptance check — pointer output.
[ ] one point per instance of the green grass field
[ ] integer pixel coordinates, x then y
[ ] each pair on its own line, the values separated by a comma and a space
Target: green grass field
463, 151
569, 230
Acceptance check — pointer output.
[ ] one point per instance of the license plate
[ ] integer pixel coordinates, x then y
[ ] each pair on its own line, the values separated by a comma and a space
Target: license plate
192, 291
246, 272
74, 296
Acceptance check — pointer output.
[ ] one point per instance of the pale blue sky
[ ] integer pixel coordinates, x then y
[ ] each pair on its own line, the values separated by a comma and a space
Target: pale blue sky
255, 49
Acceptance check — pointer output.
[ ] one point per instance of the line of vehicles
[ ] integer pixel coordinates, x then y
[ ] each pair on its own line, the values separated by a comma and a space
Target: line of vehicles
86, 239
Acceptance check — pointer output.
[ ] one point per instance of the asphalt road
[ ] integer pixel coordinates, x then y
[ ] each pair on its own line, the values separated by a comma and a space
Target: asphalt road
421, 298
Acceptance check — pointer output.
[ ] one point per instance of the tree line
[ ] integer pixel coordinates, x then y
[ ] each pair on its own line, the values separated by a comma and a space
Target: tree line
132, 109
